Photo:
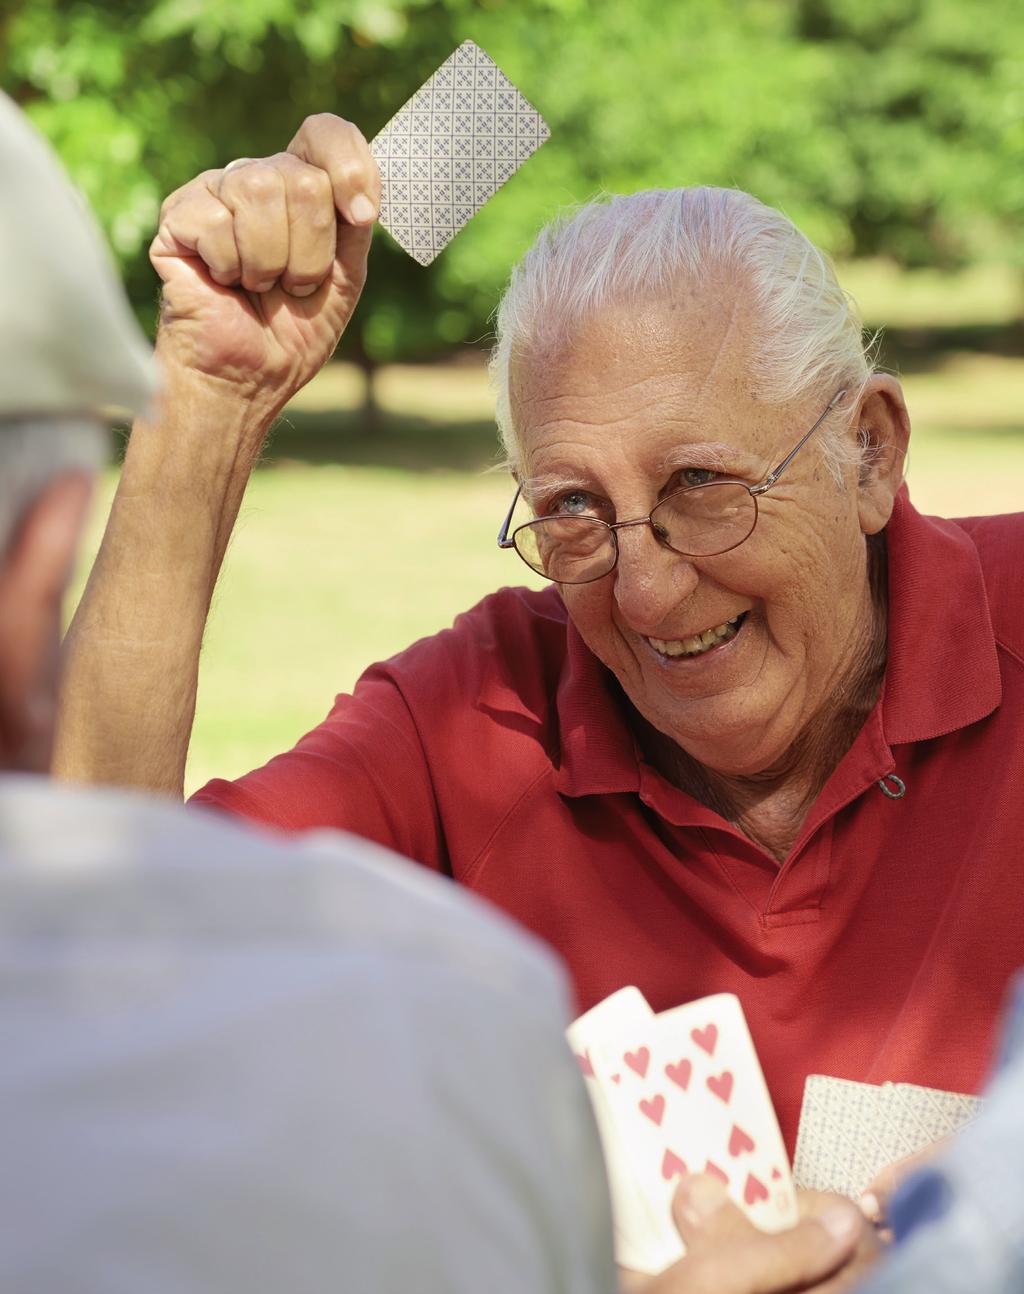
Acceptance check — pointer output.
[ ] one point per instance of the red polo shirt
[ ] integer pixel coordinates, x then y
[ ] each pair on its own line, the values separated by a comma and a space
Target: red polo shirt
500, 753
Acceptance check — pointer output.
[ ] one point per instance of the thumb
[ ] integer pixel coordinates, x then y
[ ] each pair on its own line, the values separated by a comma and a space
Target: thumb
348, 274
727, 1254
801, 1257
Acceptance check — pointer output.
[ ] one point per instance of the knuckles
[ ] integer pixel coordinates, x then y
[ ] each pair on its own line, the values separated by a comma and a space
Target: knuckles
218, 218
312, 188
256, 182
328, 123
351, 176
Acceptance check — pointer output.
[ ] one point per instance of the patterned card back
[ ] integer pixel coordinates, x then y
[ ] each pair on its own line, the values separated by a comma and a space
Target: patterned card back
850, 1131
450, 148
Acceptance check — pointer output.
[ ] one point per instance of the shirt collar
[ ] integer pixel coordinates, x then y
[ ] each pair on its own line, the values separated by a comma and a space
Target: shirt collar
942, 671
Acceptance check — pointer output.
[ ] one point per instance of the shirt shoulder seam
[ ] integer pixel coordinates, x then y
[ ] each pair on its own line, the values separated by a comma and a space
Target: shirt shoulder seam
473, 869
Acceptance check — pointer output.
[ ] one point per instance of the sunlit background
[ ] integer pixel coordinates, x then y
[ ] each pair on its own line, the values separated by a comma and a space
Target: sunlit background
892, 131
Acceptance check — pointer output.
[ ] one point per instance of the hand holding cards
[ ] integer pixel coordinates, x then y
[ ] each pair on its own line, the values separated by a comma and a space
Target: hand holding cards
676, 1093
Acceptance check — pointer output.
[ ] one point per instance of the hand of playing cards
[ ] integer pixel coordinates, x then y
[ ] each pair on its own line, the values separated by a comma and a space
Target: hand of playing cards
851, 1131
676, 1093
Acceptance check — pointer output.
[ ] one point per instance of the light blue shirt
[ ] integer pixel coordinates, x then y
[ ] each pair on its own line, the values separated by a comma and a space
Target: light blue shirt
959, 1223
235, 1065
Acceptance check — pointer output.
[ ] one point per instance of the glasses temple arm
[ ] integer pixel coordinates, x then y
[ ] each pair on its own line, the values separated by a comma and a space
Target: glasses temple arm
776, 472
503, 539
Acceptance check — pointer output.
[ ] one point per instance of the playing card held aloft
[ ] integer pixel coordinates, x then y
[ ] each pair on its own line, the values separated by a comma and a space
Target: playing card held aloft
451, 147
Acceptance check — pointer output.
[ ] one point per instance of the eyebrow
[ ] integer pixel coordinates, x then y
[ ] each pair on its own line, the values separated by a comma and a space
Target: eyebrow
706, 453
713, 454
534, 487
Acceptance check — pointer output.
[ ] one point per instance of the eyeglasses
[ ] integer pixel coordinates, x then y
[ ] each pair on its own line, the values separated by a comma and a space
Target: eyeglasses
696, 521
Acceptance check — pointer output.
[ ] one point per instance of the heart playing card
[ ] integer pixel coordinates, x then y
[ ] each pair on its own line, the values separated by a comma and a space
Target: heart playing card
640, 1244
682, 1092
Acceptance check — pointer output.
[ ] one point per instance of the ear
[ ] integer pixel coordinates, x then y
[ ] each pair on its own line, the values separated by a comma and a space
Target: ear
883, 427
34, 572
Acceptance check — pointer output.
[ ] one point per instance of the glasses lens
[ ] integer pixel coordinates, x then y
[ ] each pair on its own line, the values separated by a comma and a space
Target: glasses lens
706, 519
569, 550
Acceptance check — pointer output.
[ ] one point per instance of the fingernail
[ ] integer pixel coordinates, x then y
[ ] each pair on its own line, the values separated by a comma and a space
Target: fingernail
703, 1195
870, 1206
841, 1222
306, 290
265, 286
362, 209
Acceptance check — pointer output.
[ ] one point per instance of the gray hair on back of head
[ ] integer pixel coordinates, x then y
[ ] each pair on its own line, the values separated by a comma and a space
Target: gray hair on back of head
613, 251
35, 450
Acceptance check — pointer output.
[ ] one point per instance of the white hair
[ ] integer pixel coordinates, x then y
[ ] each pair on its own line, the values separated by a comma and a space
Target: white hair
36, 450
617, 250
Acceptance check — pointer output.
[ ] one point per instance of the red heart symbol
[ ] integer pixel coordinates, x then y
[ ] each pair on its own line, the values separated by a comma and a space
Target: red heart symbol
616, 1078
739, 1141
754, 1191
706, 1038
775, 1174
680, 1073
715, 1171
638, 1060
654, 1108
721, 1085
672, 1166
584, 1063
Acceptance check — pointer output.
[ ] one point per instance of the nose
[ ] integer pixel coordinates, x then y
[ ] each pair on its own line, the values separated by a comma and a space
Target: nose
650, 579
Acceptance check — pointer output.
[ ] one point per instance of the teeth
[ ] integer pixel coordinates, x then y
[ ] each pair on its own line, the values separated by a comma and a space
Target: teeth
699, 643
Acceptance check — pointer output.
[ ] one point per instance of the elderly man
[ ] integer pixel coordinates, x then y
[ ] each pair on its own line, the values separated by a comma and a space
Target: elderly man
231, 1066
761, 735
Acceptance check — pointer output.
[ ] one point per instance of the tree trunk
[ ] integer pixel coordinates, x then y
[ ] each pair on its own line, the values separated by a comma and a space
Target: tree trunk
372, 421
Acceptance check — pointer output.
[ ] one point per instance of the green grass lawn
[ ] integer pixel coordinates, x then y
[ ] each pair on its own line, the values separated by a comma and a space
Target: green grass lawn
349, 547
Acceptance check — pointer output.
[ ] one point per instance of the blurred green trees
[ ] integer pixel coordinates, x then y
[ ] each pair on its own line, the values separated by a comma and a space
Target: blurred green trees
890, 127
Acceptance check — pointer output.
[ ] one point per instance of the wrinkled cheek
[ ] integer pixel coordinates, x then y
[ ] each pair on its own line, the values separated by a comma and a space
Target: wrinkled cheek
590, 608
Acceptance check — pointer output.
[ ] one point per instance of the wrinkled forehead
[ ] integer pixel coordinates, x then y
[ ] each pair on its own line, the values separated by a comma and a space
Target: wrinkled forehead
676, 365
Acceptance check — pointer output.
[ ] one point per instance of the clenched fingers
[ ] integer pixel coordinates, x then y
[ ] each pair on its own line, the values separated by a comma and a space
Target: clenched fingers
338, 148
284, 222
194, 222
259, 223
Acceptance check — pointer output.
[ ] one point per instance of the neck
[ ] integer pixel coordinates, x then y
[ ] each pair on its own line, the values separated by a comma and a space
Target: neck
770, 806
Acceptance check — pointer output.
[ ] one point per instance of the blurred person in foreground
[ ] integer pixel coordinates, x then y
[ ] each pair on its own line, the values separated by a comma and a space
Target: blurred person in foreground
231, 1065
760, 735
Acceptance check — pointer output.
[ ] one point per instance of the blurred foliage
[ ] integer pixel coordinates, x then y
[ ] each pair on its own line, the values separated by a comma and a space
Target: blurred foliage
883, 127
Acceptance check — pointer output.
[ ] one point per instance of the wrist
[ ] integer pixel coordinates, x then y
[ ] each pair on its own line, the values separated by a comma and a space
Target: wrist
200, 428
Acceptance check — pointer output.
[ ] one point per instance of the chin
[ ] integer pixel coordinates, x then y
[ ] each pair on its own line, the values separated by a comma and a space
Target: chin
731, 743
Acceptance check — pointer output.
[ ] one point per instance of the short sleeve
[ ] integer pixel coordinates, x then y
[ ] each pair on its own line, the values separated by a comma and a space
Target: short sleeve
362, 770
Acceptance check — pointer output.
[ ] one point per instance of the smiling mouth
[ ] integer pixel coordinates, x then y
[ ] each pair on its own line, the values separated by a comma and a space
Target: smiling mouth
699, 643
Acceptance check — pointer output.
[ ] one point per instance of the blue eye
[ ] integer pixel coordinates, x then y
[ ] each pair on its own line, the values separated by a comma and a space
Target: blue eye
696, 476
575, 503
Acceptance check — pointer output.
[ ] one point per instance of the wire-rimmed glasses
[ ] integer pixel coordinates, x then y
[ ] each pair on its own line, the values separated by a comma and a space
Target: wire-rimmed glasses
696, 521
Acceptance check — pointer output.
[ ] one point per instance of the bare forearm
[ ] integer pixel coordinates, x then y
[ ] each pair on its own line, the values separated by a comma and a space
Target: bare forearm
132, 653
262, 265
